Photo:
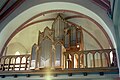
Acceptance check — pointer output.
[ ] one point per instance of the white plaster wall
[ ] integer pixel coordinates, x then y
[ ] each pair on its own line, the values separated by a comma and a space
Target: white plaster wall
14, 20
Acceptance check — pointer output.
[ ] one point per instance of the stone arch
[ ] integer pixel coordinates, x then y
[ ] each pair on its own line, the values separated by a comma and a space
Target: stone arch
42, 8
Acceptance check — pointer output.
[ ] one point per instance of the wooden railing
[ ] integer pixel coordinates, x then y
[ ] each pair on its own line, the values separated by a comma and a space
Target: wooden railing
14, 62
80, 59
90, 59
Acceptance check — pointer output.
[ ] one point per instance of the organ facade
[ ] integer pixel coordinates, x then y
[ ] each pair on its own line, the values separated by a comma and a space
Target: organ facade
53, 43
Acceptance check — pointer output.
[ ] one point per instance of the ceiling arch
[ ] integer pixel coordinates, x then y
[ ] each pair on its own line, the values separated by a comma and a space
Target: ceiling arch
24, 18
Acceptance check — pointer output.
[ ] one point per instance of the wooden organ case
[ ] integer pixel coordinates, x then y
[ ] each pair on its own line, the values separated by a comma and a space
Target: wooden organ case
52, 43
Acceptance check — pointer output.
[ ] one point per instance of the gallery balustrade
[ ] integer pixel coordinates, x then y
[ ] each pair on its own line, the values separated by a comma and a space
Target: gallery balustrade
71, 60
90, 59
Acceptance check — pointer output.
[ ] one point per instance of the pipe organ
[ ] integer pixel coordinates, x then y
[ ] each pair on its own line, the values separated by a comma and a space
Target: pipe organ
52, 43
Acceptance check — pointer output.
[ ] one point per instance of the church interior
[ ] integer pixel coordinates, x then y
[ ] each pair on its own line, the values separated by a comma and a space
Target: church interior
59, 40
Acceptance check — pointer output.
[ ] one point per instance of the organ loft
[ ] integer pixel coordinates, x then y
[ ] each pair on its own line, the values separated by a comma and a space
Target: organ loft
54, 44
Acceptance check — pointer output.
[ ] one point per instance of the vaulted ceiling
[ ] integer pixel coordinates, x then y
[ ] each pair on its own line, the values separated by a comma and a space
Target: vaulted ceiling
94, 37
25, 36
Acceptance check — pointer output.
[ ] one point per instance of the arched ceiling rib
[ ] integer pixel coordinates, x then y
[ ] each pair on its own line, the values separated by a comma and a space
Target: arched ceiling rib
40, 21
52, 19
43, 12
